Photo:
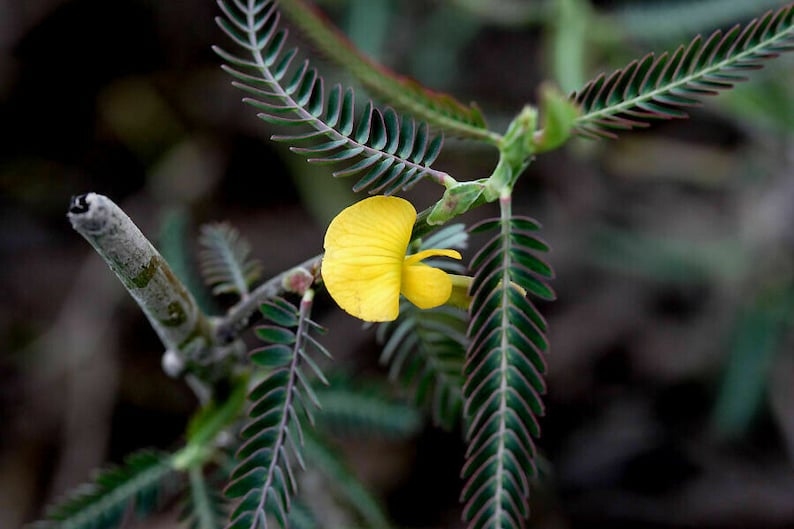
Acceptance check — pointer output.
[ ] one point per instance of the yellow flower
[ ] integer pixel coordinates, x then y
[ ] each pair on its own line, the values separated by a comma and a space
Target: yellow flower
365, 268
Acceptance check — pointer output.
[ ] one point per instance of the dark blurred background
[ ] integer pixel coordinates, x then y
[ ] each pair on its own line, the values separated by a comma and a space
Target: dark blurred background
671, 400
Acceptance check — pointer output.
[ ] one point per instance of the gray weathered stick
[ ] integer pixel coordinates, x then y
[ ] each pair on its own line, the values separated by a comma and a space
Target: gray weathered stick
173, 313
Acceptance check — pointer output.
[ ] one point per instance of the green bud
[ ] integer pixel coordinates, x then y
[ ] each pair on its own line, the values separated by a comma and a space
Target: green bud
558, 115
457, 200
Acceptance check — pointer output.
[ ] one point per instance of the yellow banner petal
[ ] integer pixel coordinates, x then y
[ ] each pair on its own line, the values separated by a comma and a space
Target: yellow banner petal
365, 249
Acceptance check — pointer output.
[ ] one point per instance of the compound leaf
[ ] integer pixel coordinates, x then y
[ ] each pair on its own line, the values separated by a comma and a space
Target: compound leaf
138, 485
385, 151
663, 87
440, 111
263, 479
503, 374
225, 260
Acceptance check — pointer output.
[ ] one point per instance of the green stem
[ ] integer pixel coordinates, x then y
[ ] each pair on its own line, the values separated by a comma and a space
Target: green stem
202, 506
516, 150
208, 423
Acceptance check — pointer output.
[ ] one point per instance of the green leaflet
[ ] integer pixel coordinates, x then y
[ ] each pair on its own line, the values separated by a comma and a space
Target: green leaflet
660, 87
204, 508
345, 482
364, 411
504, 372
263, 480
558, 114
145, 479
425, 349
438, 110
387, 152
225, 260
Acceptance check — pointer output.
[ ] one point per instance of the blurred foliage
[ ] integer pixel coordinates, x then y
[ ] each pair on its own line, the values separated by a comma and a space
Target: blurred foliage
675, 285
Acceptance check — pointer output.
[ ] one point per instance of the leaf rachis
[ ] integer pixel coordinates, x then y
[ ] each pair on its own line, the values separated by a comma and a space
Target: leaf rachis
301, 101
670, 82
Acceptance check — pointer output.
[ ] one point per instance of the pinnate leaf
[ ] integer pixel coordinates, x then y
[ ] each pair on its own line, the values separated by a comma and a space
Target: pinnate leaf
225, 260
263, 479
145, 478
664, 87
439, 110
386, 152
503, 372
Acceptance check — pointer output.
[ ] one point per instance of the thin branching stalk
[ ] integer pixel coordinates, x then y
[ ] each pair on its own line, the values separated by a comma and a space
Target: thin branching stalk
237, 318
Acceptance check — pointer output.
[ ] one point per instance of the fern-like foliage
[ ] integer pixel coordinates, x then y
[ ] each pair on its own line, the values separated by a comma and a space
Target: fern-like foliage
137, 486
387, 152
263, 478
225, 260
440, 111
205, 507
344, 483
362, 412
661, 87
504, 372
425, 348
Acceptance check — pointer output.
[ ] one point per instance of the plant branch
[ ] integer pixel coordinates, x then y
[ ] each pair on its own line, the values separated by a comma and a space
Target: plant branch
169, 306
227, 328
185, 331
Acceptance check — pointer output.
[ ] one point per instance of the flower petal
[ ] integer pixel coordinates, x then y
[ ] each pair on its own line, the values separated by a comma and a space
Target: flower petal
365, 248
425, 286
424, 254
